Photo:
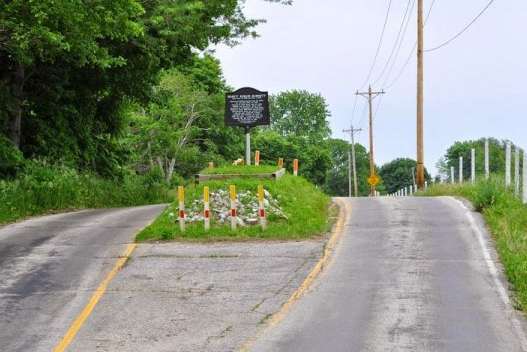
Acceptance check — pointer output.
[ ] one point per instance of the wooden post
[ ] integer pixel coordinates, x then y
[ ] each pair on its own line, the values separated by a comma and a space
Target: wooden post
181, 199
460, 169
517, 172
261, 207
234, 216
206, 208
420, 95
295, 167
524, 177
508, 151
473, 165
487, 159
257, 158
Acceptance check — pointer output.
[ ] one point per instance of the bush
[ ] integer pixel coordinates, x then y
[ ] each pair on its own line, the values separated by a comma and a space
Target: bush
11, 159
44, 188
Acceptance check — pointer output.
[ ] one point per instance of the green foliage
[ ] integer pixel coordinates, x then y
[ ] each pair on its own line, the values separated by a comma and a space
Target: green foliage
337, 180
463, 149
506, 217
305, 206
301, 114
11, 159
47, 188
399, 173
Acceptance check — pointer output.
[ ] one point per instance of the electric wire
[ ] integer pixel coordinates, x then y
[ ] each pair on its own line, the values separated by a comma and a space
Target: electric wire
460, 33
379, 45
394, 45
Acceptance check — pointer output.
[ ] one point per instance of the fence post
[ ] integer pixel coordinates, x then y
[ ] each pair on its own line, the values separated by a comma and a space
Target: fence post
181, 213
232, 192
460, 169
487, 159
473, 165
517, 171
295, 167
524, 177
508, 151
261, 206
206, 208
257, 158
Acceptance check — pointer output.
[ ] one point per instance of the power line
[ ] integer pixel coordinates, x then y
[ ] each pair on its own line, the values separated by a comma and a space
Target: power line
395, 44
412, 52
459, 34
379, 45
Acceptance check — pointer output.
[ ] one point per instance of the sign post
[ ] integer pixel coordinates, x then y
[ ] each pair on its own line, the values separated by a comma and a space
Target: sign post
247, 108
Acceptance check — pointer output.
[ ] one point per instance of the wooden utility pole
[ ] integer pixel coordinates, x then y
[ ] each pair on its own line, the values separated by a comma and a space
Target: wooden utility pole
353, 162
420, 96
370, 95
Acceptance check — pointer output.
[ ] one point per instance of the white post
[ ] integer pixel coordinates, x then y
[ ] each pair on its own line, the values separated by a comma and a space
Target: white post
517, 172
426, 185
487, 159
234, 216
452, 175
524, 177
508, 151
247, 147
181, 213
206, 208
460, 169
473, 165
411, 190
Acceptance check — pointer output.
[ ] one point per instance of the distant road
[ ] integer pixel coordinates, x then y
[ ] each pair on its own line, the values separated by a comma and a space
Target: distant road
50, 266
412, 274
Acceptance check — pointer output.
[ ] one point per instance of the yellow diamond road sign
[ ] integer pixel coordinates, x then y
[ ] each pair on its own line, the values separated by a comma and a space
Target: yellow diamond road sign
374, 180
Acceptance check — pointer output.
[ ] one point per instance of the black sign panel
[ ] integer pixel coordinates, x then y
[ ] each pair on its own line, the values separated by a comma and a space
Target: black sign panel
247, 107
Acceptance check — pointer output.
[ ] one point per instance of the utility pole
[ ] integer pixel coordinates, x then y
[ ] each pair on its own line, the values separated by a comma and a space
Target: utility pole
352, 132
420, 96
370, 95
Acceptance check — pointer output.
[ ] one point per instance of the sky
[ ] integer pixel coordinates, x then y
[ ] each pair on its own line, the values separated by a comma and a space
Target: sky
474, 87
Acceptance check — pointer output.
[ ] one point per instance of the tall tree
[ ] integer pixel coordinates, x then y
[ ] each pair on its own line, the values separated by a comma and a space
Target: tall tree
301, 114
399, 173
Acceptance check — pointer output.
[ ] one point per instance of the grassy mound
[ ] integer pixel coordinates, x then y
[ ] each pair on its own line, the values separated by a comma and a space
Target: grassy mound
506, 217
305, 207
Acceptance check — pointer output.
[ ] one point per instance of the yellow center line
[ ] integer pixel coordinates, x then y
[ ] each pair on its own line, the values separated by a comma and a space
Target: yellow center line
97, 295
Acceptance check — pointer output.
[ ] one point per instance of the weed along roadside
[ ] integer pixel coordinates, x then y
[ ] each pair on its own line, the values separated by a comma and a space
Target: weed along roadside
506, 217
244, 208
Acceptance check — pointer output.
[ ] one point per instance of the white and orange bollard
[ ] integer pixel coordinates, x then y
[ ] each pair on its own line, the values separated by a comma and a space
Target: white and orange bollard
280, 163
295, 167
261, 207
181, 198
206, 208
257, 158
234, 219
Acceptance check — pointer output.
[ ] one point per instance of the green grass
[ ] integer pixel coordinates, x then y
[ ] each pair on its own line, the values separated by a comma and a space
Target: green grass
241, 170
46, 189
305, 206
506, 217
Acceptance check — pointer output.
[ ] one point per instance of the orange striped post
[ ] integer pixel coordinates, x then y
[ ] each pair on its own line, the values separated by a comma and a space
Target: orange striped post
181, 198
234, 216
281, 163
295, 167
261, 207
257, 158
206, 208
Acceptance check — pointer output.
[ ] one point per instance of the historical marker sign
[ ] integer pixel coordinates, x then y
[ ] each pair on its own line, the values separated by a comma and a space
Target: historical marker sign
247, 107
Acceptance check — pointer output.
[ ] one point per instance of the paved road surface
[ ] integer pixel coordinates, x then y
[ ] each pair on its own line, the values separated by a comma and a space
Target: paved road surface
409, 275
50, 266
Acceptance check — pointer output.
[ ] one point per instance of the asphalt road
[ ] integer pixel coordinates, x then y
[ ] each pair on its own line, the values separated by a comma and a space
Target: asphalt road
50, 266
410, 274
